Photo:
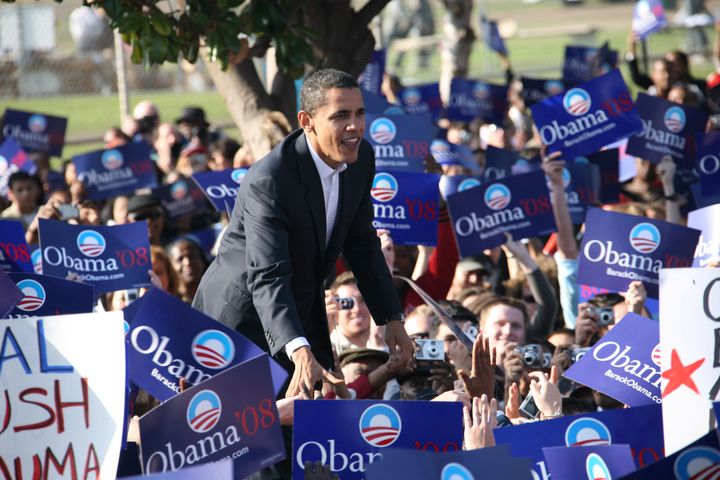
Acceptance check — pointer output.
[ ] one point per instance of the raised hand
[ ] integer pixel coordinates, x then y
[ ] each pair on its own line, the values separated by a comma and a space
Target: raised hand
480, 423
481, 379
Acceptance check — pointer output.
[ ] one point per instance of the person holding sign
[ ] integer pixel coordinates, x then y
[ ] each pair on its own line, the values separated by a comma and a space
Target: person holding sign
296, 210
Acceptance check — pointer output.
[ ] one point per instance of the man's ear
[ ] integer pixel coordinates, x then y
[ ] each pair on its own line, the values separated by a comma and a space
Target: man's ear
306, 121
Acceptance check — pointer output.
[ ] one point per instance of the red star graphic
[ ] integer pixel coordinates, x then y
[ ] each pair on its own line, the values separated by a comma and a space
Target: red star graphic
679, 374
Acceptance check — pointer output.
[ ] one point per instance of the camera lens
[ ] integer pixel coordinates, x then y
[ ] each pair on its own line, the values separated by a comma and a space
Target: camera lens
433, 351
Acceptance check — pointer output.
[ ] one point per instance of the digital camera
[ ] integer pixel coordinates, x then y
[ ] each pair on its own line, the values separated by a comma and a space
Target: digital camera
345, 303
577, 353
533, 356
606, 316
431, 350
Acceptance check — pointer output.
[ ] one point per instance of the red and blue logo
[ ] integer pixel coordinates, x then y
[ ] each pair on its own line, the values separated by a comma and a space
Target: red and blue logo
33, 295
411, 96
467, 184
553, 87
112, 159
596, 468
585, 432
37, 123
497, 196
645, 237
179, 190
91, 243
577, 102
699, 463
238, 174
675, 119
36, 259
480, 91
203, 411
455, 471
213, 349
656, 355
383, 130
384, 187
380, 425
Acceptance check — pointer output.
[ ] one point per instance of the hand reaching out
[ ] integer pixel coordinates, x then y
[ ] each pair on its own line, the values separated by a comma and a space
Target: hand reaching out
481, 379
546, 393
480, 423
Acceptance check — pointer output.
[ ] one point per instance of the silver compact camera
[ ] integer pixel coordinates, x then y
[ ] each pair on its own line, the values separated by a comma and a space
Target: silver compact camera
533, 356
345, 303
432, 350
606, 316
577, 353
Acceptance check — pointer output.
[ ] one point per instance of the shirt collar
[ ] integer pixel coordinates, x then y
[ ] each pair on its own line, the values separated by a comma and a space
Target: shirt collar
324, 170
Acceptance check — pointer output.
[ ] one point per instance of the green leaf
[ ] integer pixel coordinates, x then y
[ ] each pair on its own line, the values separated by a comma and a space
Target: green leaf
137, 53
160, 23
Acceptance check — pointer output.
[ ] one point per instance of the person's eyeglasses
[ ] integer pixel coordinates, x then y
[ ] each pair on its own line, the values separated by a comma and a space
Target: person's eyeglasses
151, 215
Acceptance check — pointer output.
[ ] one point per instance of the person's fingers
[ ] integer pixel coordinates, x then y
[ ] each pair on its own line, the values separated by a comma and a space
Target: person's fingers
465, 380
467, 421
554, 375
486, 351
477, 411
494, 357
493, 413
485, 409
476, 353
538, 376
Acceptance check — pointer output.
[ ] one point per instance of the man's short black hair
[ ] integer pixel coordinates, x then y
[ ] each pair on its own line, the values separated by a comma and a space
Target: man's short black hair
22, 176
312, 94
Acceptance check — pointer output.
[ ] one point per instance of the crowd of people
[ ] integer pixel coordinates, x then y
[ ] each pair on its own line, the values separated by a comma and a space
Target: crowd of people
518, 303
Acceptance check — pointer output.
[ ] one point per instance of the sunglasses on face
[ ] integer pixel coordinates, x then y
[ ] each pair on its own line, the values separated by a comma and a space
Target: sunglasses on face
150, 215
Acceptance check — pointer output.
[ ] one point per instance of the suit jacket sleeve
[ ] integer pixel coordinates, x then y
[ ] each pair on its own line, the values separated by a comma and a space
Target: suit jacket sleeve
268, 262
363, 253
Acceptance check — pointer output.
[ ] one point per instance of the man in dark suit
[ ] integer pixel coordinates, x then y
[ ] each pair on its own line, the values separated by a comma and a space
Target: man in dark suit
297, 209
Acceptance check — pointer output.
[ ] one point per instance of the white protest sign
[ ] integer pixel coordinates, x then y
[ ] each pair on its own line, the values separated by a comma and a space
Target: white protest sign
690, 352
62, 396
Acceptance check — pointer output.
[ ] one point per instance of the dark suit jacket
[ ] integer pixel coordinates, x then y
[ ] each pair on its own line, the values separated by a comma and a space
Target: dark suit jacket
266, 281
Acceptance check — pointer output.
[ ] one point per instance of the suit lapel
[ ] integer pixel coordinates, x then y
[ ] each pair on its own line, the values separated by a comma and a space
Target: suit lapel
314, 195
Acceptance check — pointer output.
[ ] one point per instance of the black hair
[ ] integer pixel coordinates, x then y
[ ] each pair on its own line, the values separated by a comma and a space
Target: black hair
22, 176
312, 94
457, 312
227, 147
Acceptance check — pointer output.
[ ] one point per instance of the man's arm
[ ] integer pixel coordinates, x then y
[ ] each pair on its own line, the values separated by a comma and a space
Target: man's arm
267, 256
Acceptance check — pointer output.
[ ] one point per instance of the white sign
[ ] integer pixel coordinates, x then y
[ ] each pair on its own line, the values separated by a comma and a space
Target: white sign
62, 396
690, 352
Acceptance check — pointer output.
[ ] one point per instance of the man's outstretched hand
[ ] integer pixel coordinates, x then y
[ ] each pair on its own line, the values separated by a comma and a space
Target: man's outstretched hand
399, 344
481, 379
308, 373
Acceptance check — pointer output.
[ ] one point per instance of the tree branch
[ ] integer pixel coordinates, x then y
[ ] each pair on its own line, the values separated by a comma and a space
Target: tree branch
368, 12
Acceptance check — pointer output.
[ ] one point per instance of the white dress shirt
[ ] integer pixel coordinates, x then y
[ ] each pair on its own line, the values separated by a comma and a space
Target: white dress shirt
330, 180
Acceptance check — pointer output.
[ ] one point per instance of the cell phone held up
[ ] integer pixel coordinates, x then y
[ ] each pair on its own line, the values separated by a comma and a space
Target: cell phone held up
68, 212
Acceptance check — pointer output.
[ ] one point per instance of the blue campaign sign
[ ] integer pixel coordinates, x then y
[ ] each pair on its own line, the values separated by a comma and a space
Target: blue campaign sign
10, 294
181, 198
400, 142
14, 250
162, 350
586, 118
450, 184
618, 249
108, 258
355, 433
211, 422
501, 163
471, 99
639, 427
699, 460
215, 471
668, 129
46, 295
495, 463
446, 153
407, 205
707, 220
584, 63
116, 171
648, 18
35, 131
708, 163
625, 363
518, 204
378, 105
491, 36
601, 462
422, 100
604, 173
12, 159
578, 190
538, 89
372, 76
221, 187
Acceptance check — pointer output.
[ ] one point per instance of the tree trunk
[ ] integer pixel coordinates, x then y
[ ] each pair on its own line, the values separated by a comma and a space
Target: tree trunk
252, 109
458, 38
